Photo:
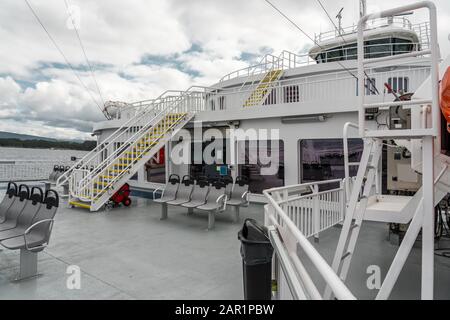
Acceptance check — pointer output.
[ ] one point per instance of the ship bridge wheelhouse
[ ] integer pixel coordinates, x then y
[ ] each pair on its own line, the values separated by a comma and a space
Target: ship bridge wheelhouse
385, 37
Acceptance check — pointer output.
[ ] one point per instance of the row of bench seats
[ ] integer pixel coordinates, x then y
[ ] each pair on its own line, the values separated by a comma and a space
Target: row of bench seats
210, 195
26, 222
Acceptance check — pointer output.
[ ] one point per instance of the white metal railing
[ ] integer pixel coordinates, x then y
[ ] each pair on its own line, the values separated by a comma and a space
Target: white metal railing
189, 102
331, 87
286, 60
311, 209
365, 64
348, 181
28, 170
148, 113
397, 22
287, 229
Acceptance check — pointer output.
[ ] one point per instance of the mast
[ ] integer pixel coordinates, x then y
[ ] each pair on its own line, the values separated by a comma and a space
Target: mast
362, 9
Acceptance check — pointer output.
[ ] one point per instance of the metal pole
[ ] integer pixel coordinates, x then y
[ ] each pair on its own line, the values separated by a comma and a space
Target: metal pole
428, 219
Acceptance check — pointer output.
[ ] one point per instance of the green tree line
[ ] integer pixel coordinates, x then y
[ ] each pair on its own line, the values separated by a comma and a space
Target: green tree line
43, 144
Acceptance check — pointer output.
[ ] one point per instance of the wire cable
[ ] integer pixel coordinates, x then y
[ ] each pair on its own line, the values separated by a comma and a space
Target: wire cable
308, 36
84, 53
62, 54
345, 42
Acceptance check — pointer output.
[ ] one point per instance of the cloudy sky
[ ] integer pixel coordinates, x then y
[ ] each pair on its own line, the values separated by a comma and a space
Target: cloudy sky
139, 49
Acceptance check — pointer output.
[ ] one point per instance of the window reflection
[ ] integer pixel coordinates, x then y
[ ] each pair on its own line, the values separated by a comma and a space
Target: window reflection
262, 162
323, 159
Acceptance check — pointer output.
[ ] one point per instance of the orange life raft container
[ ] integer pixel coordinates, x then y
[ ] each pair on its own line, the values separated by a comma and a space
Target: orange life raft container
445, 97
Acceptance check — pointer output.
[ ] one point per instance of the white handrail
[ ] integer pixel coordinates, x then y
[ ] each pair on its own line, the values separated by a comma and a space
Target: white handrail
339, 289
434, 53
84, 162
112, 157
346, 156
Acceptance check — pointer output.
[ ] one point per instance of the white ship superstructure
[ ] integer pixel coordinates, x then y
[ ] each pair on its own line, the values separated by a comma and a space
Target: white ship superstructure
355, 125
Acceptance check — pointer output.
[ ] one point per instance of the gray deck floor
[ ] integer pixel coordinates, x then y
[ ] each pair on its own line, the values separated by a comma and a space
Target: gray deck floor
128, 253
374, 249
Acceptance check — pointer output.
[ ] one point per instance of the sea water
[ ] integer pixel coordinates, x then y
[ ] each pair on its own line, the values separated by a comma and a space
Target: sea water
51, 157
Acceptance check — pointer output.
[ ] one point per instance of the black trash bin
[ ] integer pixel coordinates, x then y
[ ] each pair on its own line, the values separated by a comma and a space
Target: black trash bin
256, 252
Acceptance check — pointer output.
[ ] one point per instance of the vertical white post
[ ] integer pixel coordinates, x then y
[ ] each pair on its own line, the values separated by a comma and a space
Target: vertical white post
361, 79
428, 219
436, 112
167, 161
316, 212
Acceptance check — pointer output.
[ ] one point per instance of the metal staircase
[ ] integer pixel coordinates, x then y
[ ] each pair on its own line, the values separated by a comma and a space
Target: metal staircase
94, 179
259, 95
423, 141
433, 169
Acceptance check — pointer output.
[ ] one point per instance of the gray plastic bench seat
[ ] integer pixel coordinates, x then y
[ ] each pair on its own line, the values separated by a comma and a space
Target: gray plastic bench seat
16, 209
16, 243
184, 192
193, 204
25, 219
215, 202
8, 200
239, 196
198, 196
170, 191
35, 237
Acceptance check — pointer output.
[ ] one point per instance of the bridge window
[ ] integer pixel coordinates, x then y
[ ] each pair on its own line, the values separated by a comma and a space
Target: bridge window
291, 94
375, 48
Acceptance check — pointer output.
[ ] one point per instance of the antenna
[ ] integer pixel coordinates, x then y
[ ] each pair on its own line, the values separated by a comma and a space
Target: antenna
362, 8
339, 17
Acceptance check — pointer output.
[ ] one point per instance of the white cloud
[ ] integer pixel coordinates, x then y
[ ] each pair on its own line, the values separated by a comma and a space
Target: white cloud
118, 35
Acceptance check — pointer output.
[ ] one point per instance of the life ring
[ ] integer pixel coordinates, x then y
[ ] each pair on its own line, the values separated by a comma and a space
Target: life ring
445, 97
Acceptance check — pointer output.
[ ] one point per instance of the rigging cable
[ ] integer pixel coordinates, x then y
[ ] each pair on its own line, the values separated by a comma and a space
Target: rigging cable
62, 54
372, 82
84, 53
308, 36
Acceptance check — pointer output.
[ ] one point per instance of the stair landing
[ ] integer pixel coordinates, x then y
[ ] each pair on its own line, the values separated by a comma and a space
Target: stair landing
389, 209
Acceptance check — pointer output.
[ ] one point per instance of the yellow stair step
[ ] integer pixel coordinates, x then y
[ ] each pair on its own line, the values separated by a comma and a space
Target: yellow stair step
80, 204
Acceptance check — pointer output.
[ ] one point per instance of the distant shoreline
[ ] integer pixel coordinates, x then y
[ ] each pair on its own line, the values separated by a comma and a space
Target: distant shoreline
44, 144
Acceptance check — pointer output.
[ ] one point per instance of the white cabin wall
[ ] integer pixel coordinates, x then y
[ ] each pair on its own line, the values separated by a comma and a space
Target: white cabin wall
292, 133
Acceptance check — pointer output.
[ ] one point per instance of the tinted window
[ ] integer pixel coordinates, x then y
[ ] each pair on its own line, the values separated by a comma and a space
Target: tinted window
323, 159
253, 163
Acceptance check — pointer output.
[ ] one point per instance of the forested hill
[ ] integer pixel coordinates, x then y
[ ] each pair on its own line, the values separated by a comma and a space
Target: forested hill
43, 144
8, 139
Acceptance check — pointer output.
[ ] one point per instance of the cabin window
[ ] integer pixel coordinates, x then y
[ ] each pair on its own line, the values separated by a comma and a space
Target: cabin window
375, 48
155, 168
378, 48
399, 85
323, 159
212, 104
262, 162
222, 102
291, 94
402, 46
208, 167
370, 86
335, 55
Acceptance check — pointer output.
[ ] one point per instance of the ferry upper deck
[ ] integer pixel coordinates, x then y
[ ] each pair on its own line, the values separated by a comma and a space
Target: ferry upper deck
338, 157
